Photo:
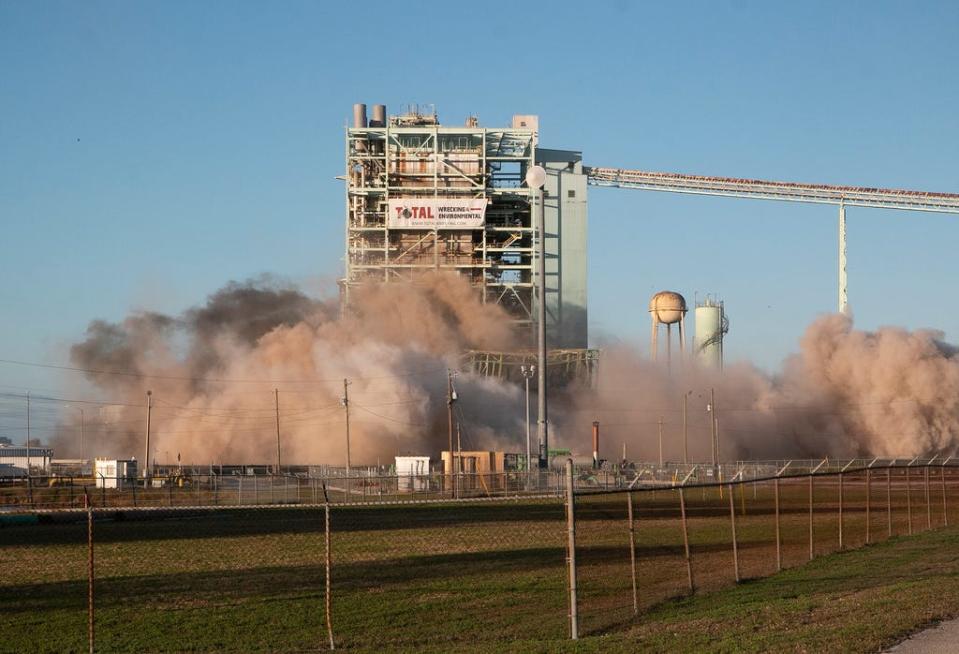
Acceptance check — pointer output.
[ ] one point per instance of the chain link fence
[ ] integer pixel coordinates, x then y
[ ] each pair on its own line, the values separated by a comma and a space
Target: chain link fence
429, 571
208, 489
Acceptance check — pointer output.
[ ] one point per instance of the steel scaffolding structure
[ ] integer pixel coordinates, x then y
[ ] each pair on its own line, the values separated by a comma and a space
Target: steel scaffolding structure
412, 157
562, 365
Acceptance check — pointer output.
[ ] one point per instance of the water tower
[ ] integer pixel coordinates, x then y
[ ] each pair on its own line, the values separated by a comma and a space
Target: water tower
711, 326
667, 308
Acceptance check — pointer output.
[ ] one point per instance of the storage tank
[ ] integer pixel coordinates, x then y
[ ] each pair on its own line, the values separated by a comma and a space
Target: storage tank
667, 308
711, 326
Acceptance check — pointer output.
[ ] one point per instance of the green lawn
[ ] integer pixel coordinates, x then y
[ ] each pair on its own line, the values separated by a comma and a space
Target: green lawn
484, 577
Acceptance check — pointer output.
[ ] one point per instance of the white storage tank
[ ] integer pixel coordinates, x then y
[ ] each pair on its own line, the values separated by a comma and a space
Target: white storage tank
711, 326
115, 473
412, 473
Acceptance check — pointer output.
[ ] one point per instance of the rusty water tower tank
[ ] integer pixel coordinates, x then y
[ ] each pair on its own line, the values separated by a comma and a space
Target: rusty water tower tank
667, 308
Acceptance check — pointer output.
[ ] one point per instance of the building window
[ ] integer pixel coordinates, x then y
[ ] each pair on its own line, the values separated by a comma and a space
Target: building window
571, 193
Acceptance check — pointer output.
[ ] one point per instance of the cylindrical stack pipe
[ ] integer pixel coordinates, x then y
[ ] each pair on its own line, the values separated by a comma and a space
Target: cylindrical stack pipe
379, 116
359, 115
595, 444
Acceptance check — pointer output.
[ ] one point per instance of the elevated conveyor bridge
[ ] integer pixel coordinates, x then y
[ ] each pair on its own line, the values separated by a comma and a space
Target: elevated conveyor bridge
843, 196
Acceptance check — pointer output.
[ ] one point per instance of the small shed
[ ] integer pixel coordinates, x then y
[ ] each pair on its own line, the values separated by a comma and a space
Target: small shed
115, 473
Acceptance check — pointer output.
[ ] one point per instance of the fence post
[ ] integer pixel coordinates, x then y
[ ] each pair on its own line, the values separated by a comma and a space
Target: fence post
90, 573
909, 497
632, 549
925, 474
328, 596
889, 501
945, 516
571, 546
779, 555
689, 560
811, 553
732, 522
868, 501
840, 508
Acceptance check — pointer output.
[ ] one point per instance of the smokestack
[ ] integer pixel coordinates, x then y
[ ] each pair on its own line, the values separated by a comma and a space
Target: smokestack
379, 116
359, 115
595, 444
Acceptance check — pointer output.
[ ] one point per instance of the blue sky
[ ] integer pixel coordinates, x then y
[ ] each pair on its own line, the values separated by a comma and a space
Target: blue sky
149, 152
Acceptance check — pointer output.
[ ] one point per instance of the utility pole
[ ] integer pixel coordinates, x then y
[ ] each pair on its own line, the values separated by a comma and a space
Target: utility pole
660, 441
276, 407
535, 179
685, 429
28, 433
528, 372
346, 408
146, 453
82, 424
712, 424
450, 398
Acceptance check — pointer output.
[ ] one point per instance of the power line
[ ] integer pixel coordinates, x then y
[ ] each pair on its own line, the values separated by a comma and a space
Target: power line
214, 380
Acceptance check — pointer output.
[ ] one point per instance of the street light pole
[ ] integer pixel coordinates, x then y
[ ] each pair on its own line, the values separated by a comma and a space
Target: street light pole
450, 398
346, 406
276, 409
146, 453
535, 179
528, 373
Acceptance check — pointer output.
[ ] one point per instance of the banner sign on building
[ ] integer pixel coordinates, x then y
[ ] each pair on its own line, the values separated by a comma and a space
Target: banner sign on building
436, 213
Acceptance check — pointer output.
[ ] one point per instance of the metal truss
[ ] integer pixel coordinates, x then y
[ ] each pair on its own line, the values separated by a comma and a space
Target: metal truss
850, 196
844, 196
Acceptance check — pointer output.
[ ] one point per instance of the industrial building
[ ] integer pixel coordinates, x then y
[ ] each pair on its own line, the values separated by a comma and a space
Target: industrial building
424, 197
19, 460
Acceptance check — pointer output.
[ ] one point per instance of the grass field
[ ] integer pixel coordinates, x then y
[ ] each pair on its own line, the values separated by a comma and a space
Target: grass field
486, 577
